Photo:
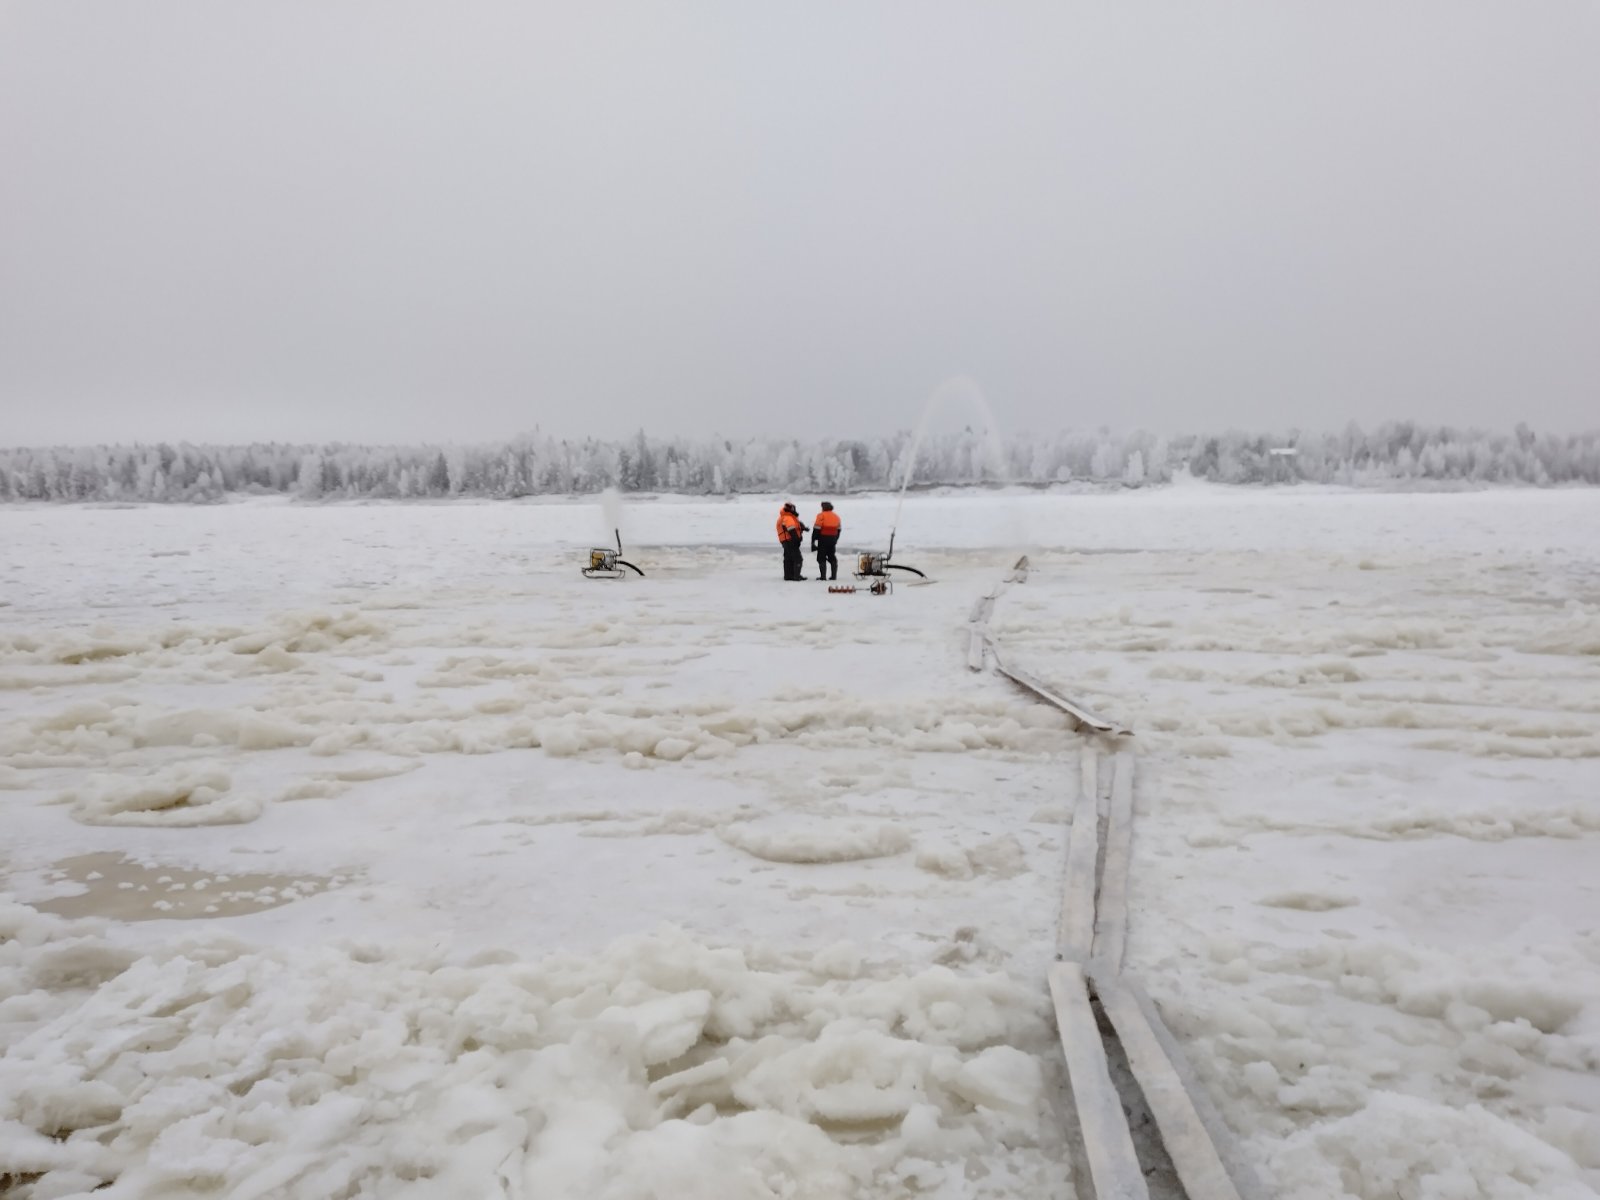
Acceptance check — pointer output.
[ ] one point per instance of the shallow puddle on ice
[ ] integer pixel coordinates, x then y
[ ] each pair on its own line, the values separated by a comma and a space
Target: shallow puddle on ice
125, 890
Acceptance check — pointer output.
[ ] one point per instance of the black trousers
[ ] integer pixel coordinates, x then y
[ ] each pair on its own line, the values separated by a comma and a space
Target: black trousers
791, 558
826, 557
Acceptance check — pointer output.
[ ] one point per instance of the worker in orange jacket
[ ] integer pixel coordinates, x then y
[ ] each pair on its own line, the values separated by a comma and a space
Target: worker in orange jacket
790, 530
825, 532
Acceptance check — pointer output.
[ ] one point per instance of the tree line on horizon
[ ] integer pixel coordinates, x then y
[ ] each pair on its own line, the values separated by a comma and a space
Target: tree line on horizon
1394, 453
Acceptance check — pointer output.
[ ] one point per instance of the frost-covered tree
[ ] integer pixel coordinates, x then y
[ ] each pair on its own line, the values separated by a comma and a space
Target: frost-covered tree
1396, 452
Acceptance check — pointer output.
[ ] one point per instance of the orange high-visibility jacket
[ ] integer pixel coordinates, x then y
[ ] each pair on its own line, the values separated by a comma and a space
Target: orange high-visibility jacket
827, 524
789, 526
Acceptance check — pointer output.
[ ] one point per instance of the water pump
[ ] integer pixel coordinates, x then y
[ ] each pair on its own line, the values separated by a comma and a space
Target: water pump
606, 563
875, 565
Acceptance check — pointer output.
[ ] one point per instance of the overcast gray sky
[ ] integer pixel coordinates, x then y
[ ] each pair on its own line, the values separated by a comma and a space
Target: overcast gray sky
386, 220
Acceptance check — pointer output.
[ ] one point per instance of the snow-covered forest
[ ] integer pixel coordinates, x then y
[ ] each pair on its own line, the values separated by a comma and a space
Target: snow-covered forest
1395, 453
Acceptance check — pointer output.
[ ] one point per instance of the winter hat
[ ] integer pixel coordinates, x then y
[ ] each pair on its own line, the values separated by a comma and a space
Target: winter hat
827, 506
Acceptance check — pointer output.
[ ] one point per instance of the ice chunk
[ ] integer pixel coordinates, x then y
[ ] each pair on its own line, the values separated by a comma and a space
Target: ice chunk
818, 842
181, 795
1001, 1077
667, 1028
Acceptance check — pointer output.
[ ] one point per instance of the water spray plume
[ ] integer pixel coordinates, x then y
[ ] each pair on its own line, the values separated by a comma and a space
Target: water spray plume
611, 510
959, 387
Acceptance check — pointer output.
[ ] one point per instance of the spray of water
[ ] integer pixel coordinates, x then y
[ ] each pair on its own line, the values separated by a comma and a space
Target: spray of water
960, 388
611, 512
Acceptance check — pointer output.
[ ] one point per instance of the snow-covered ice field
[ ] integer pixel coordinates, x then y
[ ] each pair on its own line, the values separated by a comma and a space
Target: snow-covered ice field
370, 850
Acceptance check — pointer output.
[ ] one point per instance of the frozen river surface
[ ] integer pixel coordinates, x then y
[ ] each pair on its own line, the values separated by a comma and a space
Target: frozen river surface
372, 851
